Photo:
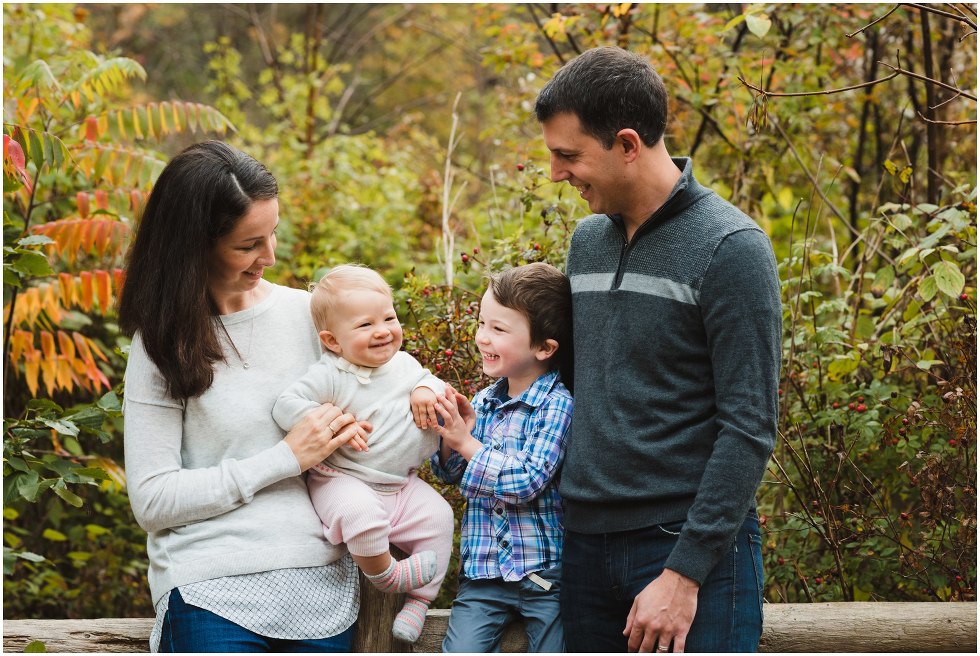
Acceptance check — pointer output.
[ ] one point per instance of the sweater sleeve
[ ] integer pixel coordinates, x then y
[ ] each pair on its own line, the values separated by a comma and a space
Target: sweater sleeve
162, 493
742, 317
305, 395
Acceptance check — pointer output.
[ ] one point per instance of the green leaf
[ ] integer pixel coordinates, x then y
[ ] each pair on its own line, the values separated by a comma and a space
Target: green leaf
53, 535
68, 495
33, 557
926, 364
35, 647
949, 279
31, 264
110, 402
758, 24
63, 426
928, 288
35, 240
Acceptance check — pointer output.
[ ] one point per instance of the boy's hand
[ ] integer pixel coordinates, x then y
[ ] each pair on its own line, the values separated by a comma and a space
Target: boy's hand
458, 419
424, 408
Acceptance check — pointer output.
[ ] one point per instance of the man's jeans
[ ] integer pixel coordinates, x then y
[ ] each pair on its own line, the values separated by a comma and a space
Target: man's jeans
483, 608
603, 573
189, 629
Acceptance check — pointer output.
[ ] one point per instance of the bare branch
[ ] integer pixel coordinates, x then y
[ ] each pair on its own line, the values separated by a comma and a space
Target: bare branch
875, 21
929, 80
940, 12
816, 93
927, 120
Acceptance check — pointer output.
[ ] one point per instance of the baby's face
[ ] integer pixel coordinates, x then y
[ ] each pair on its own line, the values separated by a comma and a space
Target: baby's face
365, 329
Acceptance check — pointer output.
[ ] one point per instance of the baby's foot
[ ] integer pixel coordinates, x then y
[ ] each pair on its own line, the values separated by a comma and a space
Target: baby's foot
404, 575
408, 624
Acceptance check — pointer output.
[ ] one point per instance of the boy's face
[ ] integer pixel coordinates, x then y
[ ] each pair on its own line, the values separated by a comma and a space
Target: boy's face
364, 329
504, 340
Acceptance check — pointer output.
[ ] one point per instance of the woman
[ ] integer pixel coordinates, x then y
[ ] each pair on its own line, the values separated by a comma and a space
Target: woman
238, 560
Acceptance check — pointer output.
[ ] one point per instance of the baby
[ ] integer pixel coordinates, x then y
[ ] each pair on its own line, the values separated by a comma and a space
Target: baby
372, 498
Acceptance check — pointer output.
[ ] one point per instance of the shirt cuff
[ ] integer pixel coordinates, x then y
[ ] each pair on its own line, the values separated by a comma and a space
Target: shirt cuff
480, 477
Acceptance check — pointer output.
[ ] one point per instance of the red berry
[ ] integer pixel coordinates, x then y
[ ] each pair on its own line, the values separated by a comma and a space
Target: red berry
964, 297
780, 392
904, 515
537, 247
959, 578
905, 420
861, 407
860, 399
449, 353
851, 406
952, 443
438, 367
476, 251
780, 561
836, 405
520, 167
762, 520
817, 580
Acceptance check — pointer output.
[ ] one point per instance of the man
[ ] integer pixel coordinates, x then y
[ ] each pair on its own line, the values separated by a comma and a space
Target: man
677, 327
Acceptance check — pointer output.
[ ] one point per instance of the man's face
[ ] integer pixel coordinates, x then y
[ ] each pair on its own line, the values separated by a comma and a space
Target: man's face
581, 160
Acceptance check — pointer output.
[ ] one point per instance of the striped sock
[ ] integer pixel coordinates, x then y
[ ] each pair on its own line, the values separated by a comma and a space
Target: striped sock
408, 623
404, 575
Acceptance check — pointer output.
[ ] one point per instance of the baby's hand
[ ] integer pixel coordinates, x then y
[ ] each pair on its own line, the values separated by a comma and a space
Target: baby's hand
424, 408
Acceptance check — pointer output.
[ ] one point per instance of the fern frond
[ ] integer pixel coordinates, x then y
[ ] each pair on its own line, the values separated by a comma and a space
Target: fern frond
96, 236
119, 166
42, 147
107, 76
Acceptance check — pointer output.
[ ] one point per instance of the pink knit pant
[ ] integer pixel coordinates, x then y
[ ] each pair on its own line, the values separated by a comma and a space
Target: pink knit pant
414, 519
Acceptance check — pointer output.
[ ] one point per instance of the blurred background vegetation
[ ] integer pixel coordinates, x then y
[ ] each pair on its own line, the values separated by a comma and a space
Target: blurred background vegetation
403, 137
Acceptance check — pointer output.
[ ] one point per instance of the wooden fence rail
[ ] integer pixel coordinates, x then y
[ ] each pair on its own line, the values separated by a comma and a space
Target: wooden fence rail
824, 627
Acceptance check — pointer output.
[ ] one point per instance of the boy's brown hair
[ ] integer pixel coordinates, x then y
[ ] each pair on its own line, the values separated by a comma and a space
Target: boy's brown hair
543, 294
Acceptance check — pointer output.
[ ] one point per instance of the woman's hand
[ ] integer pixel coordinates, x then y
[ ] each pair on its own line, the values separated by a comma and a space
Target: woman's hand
322, 432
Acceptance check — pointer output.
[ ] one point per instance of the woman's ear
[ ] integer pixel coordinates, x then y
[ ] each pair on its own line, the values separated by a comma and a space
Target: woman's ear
329, 341
546, 349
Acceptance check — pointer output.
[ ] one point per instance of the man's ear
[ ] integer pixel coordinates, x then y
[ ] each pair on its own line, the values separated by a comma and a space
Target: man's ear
631, 143
546, 349
329, 341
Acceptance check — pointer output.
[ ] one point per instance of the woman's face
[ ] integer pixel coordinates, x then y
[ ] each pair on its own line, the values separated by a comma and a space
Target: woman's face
239, 258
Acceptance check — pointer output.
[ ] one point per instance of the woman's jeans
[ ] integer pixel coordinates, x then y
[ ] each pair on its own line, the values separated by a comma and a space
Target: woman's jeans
603, 573
189, 629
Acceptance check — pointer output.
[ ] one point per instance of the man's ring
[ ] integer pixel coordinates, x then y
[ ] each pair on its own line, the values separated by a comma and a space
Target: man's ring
661, 648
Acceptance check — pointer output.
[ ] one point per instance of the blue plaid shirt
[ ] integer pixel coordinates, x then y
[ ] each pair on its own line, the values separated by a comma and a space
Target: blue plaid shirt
513, 521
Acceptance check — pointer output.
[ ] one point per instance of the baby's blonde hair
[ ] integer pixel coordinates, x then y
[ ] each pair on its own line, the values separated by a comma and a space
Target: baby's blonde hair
343, 278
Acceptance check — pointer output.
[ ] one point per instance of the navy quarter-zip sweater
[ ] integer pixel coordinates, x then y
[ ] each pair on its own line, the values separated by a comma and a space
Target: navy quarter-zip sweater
677, 351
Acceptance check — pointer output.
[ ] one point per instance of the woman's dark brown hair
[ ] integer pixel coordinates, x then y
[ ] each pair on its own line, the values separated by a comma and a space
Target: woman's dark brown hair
198, 198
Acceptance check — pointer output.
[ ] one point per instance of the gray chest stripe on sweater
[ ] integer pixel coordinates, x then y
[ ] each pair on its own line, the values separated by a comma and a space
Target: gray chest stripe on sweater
638, 283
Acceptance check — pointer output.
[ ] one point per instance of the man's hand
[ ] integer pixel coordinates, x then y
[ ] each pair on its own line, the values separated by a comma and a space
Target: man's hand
662, 613
423, 402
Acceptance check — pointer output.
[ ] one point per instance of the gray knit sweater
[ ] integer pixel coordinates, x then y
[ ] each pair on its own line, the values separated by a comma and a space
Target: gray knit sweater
677, 351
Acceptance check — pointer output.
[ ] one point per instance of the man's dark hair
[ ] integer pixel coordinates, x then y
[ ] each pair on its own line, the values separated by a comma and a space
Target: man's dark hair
608, 89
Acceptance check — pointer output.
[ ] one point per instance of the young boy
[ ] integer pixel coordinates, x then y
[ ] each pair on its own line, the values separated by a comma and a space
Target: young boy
373, 498
504, 452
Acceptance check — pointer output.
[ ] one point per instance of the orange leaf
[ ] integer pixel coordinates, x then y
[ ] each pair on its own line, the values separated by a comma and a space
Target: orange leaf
85, 283
66, 345
82, 199
50, 302
18, 342
31, 366
119, 277
63, 374
47, 345
102, 199
103, 290
91, 129
66, 285
85, 234
83, 349
135, 200
49, 373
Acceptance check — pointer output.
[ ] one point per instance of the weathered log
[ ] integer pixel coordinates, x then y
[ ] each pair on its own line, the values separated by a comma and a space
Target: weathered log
824, 627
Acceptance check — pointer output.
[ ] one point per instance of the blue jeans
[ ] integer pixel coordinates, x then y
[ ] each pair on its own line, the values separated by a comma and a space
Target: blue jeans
603, 573
188, 629
484, 607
